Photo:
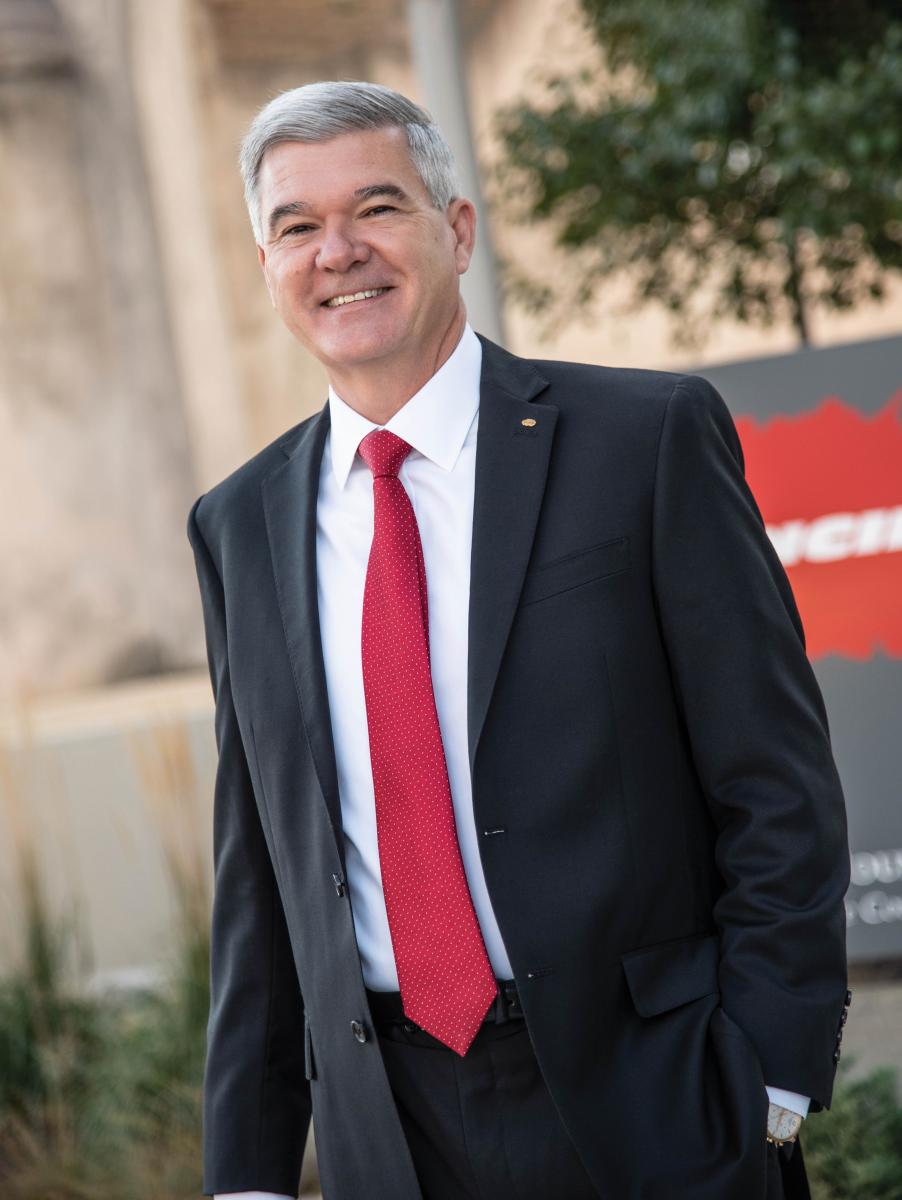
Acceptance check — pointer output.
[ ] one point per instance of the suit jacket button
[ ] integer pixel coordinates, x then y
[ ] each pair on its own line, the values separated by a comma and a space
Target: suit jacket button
836, 1056
359, 1031
848, 997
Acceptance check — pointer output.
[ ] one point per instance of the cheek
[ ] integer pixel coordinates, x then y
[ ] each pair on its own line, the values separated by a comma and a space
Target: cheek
288, 276
435, 266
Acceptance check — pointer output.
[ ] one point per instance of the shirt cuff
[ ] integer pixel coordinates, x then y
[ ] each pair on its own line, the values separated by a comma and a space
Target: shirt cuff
791, 1100
253, 1196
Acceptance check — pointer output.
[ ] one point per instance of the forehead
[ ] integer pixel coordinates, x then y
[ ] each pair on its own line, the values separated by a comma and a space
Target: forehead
320, 172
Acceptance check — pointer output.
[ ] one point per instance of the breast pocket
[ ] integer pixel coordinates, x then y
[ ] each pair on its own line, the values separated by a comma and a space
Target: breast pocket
573, 570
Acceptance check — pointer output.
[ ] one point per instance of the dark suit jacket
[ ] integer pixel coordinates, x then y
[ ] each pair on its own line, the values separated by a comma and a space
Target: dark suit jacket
645, 725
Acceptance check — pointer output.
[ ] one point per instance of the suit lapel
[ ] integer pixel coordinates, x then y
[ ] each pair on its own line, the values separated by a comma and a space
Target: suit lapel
511, 470
289, 502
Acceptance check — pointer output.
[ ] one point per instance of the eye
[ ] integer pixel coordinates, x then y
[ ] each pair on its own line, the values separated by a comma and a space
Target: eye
380, 208
296, 229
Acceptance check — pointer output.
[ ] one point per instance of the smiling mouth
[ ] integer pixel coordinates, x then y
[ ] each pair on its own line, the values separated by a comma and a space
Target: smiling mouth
354, 297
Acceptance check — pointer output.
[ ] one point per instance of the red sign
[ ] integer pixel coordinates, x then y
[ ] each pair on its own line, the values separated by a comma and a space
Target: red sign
829, 486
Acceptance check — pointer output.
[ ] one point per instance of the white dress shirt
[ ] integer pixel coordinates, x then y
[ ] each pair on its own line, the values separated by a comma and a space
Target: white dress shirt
440, 422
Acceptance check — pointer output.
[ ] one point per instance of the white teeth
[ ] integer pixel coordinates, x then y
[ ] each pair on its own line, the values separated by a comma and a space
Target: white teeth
337, 300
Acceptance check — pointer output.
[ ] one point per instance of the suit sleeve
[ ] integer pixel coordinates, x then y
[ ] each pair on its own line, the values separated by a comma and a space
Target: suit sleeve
256, 1099
760, 741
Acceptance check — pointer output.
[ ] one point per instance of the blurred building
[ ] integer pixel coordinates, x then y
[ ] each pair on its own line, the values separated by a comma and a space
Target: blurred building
140, 359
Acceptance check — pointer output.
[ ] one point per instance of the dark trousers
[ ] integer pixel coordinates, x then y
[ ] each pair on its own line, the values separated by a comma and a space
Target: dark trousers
481, 1127
786, 1175
484, 1127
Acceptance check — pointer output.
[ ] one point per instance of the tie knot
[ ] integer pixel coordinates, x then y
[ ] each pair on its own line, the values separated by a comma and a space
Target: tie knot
383, 452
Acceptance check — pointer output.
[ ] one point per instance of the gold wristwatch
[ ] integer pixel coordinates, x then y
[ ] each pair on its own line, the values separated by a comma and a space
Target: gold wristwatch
783, 1125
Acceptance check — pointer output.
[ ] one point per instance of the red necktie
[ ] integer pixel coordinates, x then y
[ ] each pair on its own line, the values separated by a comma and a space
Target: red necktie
446, 979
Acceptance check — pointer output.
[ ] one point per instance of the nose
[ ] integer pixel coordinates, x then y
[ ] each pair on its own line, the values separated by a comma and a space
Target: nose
339, 250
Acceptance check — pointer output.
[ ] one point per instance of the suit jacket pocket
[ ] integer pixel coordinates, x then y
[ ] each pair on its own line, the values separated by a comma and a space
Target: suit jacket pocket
696, 1098
668, 974
572, 570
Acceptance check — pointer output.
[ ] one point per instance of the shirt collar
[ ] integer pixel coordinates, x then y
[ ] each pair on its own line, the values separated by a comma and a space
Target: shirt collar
435, 420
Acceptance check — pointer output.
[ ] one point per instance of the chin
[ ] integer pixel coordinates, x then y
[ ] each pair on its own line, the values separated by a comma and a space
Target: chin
349, 352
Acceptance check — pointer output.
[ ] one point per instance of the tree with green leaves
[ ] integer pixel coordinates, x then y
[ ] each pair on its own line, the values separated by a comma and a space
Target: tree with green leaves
741, 159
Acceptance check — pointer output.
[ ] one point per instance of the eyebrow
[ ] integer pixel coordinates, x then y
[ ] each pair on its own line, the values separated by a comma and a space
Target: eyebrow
380, 189
299, 208
295, 208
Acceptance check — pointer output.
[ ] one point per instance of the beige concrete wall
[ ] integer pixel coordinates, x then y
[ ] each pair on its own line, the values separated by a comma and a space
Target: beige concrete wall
111, 788
95, 471
182, 191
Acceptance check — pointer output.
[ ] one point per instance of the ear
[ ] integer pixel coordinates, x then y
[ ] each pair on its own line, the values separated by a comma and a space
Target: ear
261, 258
462, 219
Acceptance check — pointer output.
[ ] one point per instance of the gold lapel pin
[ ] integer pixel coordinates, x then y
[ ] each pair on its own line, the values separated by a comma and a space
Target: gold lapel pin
530, 421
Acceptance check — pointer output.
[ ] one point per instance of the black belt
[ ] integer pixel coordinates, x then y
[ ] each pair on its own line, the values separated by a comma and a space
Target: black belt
386, 1007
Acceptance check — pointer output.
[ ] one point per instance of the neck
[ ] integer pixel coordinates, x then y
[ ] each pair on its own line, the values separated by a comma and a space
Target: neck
385, 387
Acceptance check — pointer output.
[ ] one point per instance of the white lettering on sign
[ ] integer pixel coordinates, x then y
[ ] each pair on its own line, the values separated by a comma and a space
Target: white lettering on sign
838, 535
876, 866
875, 907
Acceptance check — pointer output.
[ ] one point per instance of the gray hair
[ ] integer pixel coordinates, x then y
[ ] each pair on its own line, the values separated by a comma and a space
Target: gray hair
318, 112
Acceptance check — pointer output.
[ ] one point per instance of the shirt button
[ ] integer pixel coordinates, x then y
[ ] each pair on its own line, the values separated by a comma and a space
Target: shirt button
359, 1031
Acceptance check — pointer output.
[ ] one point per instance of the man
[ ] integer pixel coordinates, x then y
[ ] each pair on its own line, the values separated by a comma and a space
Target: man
530, 848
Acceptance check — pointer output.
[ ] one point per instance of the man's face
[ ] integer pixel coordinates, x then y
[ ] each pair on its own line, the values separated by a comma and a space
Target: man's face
352, 216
